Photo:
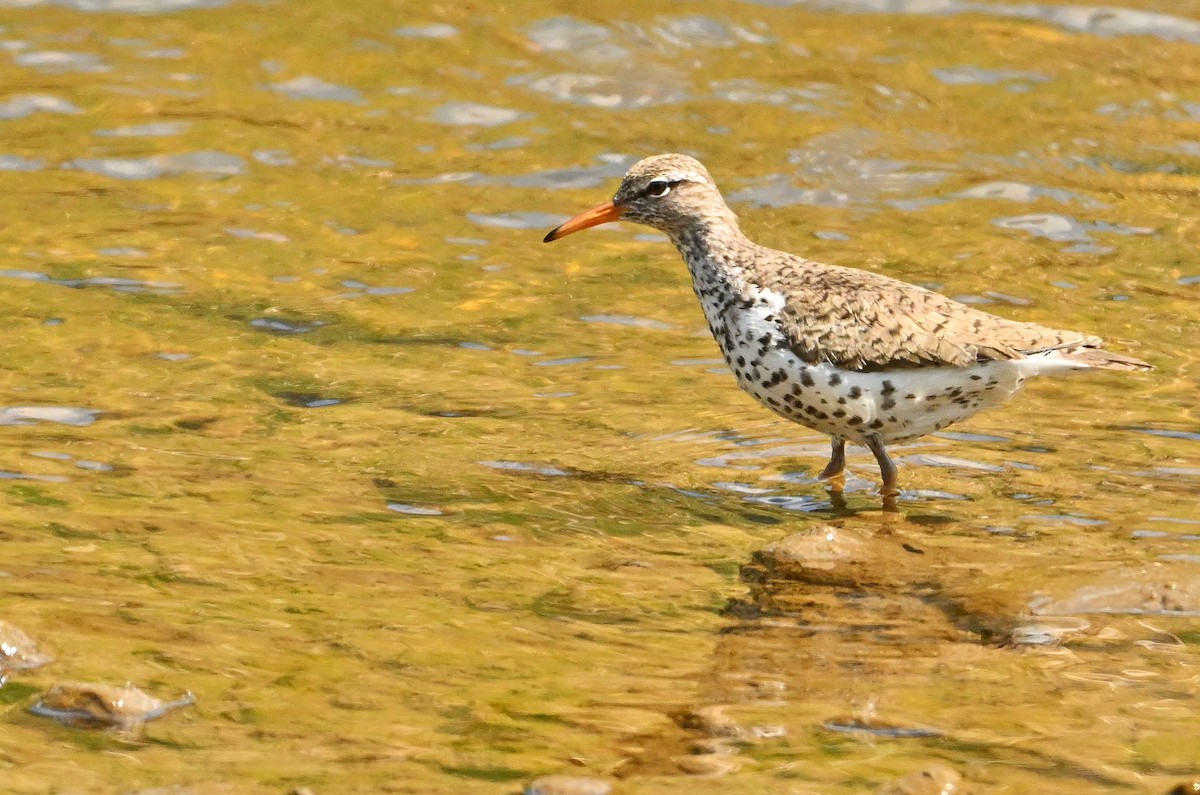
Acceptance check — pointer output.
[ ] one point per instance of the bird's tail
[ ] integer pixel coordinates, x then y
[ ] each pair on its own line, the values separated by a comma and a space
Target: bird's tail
1104, 360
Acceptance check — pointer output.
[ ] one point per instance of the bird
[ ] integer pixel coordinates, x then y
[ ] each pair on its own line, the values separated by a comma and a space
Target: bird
856, 355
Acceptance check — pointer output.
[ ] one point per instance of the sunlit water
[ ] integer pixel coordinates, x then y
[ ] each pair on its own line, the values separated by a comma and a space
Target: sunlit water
300, 415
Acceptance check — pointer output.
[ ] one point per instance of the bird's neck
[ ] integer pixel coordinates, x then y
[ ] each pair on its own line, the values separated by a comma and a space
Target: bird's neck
715, 249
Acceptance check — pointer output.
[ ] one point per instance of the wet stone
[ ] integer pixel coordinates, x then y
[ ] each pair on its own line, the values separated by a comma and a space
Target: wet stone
821, 548
96, 705
934, 779
568, 785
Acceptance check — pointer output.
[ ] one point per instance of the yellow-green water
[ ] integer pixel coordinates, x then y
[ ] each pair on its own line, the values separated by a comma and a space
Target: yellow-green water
575, 487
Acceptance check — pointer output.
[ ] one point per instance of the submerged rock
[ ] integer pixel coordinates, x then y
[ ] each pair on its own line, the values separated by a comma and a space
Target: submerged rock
95, 705
18, 651
1163, 589
821, 548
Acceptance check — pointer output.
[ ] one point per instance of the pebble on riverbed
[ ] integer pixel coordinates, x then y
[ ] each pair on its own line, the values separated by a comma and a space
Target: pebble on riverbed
103, 706
828, 555
568, 785
18, 651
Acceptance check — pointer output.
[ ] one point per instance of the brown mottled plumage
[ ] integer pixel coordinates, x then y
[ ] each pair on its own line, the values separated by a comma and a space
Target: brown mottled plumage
854, 354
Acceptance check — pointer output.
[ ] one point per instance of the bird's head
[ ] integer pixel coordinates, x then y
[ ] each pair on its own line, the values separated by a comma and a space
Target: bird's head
668, 192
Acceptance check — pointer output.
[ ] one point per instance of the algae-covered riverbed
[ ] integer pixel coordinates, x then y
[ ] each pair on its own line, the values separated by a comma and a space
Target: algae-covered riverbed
302, 418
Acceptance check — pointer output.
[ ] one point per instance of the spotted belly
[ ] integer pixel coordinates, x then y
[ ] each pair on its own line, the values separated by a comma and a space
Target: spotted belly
895, 406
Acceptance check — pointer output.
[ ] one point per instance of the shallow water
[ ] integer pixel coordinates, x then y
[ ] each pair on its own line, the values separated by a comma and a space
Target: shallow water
302, 417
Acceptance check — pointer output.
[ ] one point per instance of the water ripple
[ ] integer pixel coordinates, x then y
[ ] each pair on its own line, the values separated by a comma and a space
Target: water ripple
588, 41
309, 87
121, 6
434, 30
60, 61
521, 466
116, 283
215, 164
274, 237
24, 105
475, 114
1021, 192
975, 75
641, 89
63, 415
18, 163
628, 320
281, 326
1064, 228
158, 128
516, 220
1097, 20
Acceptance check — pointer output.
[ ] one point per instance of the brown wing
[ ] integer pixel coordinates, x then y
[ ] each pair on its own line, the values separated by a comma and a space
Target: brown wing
864, 321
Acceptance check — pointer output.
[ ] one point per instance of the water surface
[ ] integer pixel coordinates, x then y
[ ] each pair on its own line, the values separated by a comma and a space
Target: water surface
300, 415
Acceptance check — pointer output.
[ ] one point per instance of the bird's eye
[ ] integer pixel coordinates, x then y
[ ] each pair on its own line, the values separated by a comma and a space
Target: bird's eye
658, 188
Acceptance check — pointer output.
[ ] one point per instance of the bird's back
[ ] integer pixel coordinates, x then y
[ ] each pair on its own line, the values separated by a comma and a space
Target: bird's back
867, 321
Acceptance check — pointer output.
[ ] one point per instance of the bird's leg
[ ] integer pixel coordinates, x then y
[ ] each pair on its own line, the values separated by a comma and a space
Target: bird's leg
887, 468
837, 462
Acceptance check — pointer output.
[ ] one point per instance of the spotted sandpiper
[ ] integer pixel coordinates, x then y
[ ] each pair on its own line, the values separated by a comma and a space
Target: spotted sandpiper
861, 357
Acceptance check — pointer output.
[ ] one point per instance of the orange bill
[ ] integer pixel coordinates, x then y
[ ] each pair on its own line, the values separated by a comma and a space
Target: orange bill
601, 214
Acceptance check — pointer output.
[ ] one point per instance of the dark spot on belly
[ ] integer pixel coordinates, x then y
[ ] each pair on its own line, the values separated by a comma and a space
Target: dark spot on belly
910, 396
976, 378
888, 404
876, 424
806, 378
835, 379
855, 392
888, 388
839, 413
796, 390
741, 360
855, 421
